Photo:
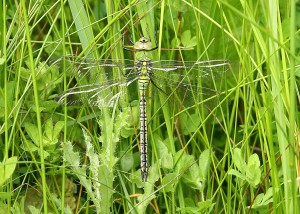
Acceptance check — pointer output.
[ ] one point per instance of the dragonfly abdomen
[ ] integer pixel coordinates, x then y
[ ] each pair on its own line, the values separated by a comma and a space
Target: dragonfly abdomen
143, 73
143, 138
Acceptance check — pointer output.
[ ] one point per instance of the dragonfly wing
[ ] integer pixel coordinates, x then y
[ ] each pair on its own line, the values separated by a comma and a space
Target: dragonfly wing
105, 94
189, 73
86, 67
96, 82
203, 68
189, 80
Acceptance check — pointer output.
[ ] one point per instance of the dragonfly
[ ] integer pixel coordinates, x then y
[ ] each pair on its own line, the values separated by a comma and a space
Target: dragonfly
143, 71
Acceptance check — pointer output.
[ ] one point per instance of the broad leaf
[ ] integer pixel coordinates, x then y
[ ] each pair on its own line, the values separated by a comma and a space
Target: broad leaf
7, 168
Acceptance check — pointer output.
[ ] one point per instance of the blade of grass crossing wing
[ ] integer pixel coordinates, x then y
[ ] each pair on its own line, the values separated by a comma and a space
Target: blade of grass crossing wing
83, 26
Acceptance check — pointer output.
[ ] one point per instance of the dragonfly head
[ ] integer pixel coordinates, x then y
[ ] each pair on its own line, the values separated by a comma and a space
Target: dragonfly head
143, 44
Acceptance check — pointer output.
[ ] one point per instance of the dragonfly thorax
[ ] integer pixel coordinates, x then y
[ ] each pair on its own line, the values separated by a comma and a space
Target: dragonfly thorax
144, 71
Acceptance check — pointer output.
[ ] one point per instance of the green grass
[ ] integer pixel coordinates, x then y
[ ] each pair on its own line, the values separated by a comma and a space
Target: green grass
234, 152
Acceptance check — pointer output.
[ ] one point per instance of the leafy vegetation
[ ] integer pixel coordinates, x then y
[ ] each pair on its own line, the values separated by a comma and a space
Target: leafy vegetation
234, 151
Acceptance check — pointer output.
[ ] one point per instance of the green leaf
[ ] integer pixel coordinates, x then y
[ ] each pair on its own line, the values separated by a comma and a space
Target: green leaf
194, 172
189, 126
126, 132
10, 98
203, 206
189, 210
50, 137
178, 6
175, 42
33, 133
123, 121
204, 164
153, 175
165, 156
148, 195
192, 178
34, 210
188, 168
135, 178
48, 129
183, 161
126, 161
168, 182
206, 206
46, 154
263, 199
105, 191
7, 168
237, 174
239, 161
268, 196
186, 39
49, 105
253, 172
30, 147
25, 73
5, 196
57, 129
69, 155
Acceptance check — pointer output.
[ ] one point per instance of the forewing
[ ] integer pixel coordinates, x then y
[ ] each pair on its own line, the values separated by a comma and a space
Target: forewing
190, 80
96, 82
